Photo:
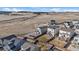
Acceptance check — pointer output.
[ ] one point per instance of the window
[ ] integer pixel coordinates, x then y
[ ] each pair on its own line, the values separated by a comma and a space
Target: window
49, 33
37, 32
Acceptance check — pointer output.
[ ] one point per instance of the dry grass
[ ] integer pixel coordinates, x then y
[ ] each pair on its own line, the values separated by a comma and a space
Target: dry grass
21, 27
43, 38
58, 43
42, 46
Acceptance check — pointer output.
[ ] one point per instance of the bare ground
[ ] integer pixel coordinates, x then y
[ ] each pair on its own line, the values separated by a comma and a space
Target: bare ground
26, 23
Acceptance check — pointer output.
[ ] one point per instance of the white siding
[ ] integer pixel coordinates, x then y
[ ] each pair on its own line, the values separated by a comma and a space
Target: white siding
65, 35
38, 30
52, 31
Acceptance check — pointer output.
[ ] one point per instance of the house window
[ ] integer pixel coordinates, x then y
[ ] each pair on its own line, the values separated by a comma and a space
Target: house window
49, 33
37, 32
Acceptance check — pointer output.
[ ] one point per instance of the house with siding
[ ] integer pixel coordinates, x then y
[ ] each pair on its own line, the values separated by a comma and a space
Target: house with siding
52, 31
76, 41
76, 27
12, 43
68, 24
75, 22
66, 33
41, 30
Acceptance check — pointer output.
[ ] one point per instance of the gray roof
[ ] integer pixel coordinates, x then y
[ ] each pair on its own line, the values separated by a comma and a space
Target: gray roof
6, 42
19, 42
7, 48
13, 43
0, 41
8, 37
53, 26
1, 44
43, 27
28, 45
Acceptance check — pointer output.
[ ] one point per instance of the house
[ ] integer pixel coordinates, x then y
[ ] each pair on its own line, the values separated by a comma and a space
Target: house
29, 47
8, 37
76, 41
68, 24
75, 22
14, 46
74, 44
52, 22
6, 40
52, 31
18, 43
76, 27
11, 42
66, 33
41, 30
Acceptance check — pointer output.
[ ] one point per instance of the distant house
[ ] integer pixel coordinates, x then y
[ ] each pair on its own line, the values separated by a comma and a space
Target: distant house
52, 30
52, 22
41, 30
68, 24
76, 27
66, 33
76, 41
75, 22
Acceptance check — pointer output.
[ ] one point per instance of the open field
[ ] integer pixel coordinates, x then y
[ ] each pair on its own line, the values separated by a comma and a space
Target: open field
24, 23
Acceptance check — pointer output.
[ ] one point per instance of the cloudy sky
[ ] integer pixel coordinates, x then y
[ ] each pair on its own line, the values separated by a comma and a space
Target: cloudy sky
41, 9
40, 5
